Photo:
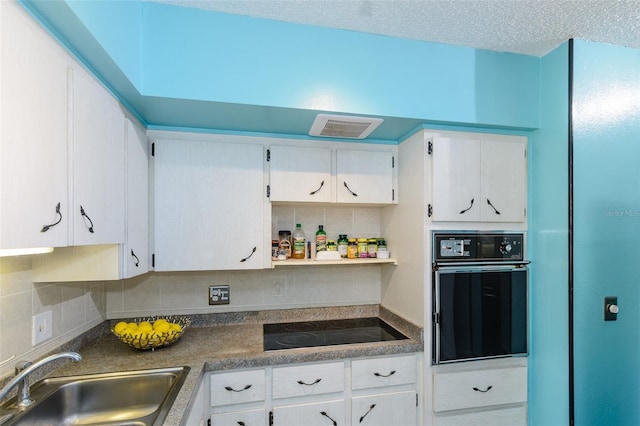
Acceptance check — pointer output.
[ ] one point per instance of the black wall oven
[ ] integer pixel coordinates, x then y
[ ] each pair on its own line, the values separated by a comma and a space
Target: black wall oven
480, 288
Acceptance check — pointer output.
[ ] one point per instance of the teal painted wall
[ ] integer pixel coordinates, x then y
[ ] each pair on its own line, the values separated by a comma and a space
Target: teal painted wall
606, 233
181, 62
549, 244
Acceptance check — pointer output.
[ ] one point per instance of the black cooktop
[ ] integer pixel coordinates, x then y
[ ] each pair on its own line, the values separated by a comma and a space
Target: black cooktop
308, 334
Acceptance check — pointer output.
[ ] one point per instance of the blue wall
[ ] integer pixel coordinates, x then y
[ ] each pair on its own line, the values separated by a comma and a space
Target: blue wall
189, 65
549, 244
606, 233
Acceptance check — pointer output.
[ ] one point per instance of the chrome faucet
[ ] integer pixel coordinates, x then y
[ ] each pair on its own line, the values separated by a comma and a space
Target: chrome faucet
22, 372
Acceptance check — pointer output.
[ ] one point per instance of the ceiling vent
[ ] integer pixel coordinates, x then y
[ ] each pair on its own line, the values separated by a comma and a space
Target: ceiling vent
344, 126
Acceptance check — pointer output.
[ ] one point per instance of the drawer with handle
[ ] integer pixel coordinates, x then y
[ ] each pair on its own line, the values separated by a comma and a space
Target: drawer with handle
381, 372
306, 380
479, 388
235, 387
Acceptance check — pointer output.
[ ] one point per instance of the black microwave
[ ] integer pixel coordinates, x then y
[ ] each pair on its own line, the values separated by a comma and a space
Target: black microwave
479, 312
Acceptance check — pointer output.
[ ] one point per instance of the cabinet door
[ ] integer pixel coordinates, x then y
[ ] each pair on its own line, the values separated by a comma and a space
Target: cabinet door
327, 413
98, 164
300, 174
456, 180
504, 181
244, 418
209, 205
398, 409
136, 247
365, 177
33, 134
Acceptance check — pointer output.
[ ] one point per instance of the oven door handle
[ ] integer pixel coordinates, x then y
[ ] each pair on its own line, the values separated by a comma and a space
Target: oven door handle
480, 267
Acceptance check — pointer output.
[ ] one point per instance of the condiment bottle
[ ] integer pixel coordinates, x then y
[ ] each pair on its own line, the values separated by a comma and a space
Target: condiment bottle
299, 243
343, 245
352, 249
362, 248
321, 239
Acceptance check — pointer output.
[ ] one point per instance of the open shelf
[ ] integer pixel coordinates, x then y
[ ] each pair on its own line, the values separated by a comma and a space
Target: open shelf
309, 262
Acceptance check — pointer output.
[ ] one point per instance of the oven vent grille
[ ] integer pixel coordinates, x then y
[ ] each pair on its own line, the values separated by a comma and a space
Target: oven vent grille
344, 126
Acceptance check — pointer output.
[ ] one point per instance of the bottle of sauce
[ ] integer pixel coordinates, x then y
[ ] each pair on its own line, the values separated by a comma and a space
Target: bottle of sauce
321, 239
343, 245
299, 243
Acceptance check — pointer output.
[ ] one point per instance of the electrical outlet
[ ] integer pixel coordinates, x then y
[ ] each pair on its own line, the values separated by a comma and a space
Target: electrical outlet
279, 286
219, 294
42, 328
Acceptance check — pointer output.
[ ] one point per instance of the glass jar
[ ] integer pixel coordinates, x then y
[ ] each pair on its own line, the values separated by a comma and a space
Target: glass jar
352, 249
343, 245
372, 247
331, 245
363, 248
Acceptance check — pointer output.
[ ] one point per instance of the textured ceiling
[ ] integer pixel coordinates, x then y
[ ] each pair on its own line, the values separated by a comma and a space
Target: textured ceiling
530, 27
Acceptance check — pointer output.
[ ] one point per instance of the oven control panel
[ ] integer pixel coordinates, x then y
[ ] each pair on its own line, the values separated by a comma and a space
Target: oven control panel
478, 247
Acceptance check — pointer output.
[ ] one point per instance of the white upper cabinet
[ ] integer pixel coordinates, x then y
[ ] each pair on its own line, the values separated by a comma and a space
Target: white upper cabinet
33, 135
209, 206
98, 164
136, 247
331, 174
479, 179
301, 174
365, 177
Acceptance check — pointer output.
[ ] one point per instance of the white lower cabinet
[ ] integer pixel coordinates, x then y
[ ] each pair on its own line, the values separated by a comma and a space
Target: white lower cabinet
383, 392
323, 413
244, 418
493, 395
384, 409
497, 417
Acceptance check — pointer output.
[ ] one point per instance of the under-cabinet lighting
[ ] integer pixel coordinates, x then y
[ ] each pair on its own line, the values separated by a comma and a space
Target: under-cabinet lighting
25, 251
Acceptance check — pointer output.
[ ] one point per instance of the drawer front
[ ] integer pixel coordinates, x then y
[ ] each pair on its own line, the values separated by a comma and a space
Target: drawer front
513, 416
306, 380
246, 418
380, 372
237, 387
480, 388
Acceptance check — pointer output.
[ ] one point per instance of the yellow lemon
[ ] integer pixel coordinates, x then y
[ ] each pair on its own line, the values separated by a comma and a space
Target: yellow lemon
163, 328
145, 326
119, 327
157, 323
176, 327
132, 326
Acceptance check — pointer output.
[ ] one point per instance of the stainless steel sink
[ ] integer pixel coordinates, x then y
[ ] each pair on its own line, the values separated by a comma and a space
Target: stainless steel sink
141, 397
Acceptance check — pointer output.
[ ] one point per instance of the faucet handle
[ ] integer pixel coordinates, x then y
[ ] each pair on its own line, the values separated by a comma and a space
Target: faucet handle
21, 365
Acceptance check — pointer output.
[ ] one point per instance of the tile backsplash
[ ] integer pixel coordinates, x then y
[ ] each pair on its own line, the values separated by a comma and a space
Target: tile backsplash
78, 307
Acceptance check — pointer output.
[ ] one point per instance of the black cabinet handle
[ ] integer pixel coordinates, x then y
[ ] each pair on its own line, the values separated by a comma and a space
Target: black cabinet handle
45, 228
367, 413
492, 206
468, 208
136, 257
317, 190
483, 391
252, 251
83, 213
385, 375
241, 424
309, 384
349, 189
324, 413
230, 389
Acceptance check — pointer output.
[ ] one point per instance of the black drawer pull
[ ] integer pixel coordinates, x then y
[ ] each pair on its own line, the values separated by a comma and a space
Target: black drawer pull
252, 252
324, 413
483, 391
45, 228
317, 190
468, 208
241, 424
367, 413
230, 389
300, 382
385, 375
83, 213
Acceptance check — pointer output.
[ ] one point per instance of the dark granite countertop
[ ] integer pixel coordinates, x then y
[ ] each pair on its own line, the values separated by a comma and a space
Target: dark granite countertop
210, 345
